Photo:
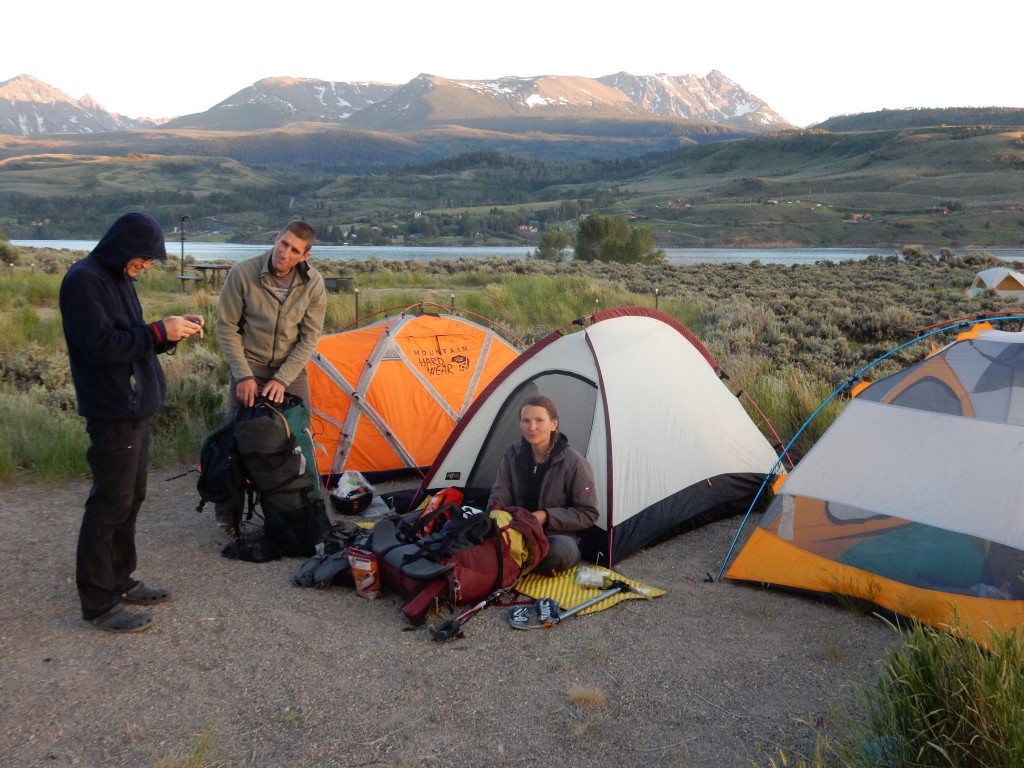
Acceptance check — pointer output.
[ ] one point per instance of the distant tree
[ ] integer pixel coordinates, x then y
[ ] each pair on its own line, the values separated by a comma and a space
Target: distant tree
554, 246
594, 230
8, 253
424, 226
369, 235
611, 238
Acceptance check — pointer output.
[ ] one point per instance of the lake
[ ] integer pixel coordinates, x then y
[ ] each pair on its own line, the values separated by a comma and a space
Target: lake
234, 252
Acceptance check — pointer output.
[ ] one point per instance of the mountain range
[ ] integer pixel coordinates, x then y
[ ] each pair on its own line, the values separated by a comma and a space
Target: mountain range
30, 107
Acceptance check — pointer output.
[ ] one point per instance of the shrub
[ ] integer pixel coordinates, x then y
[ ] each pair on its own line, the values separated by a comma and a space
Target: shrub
943, 701
40, 441
8, 254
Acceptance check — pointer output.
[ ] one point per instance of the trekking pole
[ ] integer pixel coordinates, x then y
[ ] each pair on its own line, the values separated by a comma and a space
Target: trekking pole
450, 628
545, 612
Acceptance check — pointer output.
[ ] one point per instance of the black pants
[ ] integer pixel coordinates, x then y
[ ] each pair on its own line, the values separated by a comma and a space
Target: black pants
119, 458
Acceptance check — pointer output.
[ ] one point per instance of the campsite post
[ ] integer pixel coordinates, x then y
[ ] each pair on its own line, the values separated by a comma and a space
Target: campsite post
183, 218
356, 292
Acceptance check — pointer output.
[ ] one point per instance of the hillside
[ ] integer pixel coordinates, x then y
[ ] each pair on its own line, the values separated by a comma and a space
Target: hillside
694, 183
341, 149
937, 186
29, 106
894, 119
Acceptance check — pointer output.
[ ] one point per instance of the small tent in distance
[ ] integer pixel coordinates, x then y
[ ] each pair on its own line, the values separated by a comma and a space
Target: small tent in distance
1005, 282
385, 397
641, 398
912, 499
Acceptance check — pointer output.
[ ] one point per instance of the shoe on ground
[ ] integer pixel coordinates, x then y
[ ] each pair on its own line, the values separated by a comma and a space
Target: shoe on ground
140, 594
121, 620
227, 533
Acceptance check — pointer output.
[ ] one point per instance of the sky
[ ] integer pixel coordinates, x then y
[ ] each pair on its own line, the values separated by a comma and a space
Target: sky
806, 60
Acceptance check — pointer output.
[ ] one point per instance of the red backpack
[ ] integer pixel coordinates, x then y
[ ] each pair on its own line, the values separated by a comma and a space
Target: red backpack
461, 562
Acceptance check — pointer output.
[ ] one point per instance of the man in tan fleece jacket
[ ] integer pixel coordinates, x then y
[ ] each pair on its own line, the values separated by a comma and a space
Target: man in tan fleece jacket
270, 315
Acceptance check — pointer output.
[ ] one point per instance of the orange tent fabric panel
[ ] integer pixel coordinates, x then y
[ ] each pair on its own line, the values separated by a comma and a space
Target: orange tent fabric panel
414, 416
349, 351
767, 559
444, 361
368, 448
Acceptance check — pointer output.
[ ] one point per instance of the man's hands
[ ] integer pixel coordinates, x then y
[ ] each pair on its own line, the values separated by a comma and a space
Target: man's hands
247, 390
273, 390
180, 327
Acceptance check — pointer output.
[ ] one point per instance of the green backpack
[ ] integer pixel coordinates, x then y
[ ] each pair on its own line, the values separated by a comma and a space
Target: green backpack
270, 448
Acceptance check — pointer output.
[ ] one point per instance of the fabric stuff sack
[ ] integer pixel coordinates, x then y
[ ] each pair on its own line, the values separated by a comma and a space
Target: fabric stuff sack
467, 559
275, 446
432, 514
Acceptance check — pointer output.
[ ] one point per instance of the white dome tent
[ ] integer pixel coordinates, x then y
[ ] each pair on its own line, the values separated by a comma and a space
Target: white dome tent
671, 445
1005, 282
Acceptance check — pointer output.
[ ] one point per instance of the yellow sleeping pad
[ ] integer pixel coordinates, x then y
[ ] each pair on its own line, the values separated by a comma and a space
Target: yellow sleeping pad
564, 589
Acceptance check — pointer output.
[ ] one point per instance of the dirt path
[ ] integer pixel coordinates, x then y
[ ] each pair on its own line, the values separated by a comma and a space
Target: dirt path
261, 673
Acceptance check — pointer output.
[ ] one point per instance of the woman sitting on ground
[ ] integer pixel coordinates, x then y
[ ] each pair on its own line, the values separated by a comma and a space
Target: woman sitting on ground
542, 474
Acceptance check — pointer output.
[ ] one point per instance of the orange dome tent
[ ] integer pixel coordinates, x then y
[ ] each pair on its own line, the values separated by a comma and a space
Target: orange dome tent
384, 398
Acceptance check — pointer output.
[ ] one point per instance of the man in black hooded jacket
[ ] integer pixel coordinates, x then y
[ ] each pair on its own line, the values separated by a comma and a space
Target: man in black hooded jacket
119, 385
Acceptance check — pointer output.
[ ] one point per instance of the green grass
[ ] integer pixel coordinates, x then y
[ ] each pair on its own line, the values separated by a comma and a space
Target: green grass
200, 755
35, 439
26, 285
787, 336
41, 434
941, 701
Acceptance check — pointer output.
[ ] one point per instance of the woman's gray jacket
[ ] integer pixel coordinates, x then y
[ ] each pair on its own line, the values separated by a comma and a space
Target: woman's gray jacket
567, 492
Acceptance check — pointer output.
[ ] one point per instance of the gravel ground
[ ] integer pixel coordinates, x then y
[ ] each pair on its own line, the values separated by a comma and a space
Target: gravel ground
242, 668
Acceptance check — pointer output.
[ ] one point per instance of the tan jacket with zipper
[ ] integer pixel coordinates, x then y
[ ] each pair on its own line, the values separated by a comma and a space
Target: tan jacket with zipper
253, 326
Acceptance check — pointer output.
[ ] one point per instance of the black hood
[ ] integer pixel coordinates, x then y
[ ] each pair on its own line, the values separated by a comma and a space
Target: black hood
134, 235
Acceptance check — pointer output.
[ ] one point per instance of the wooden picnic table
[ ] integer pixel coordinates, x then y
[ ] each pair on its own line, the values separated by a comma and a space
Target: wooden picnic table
214, 273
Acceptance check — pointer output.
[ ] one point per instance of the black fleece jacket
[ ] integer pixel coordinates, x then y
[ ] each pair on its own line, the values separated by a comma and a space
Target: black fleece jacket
111, 348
